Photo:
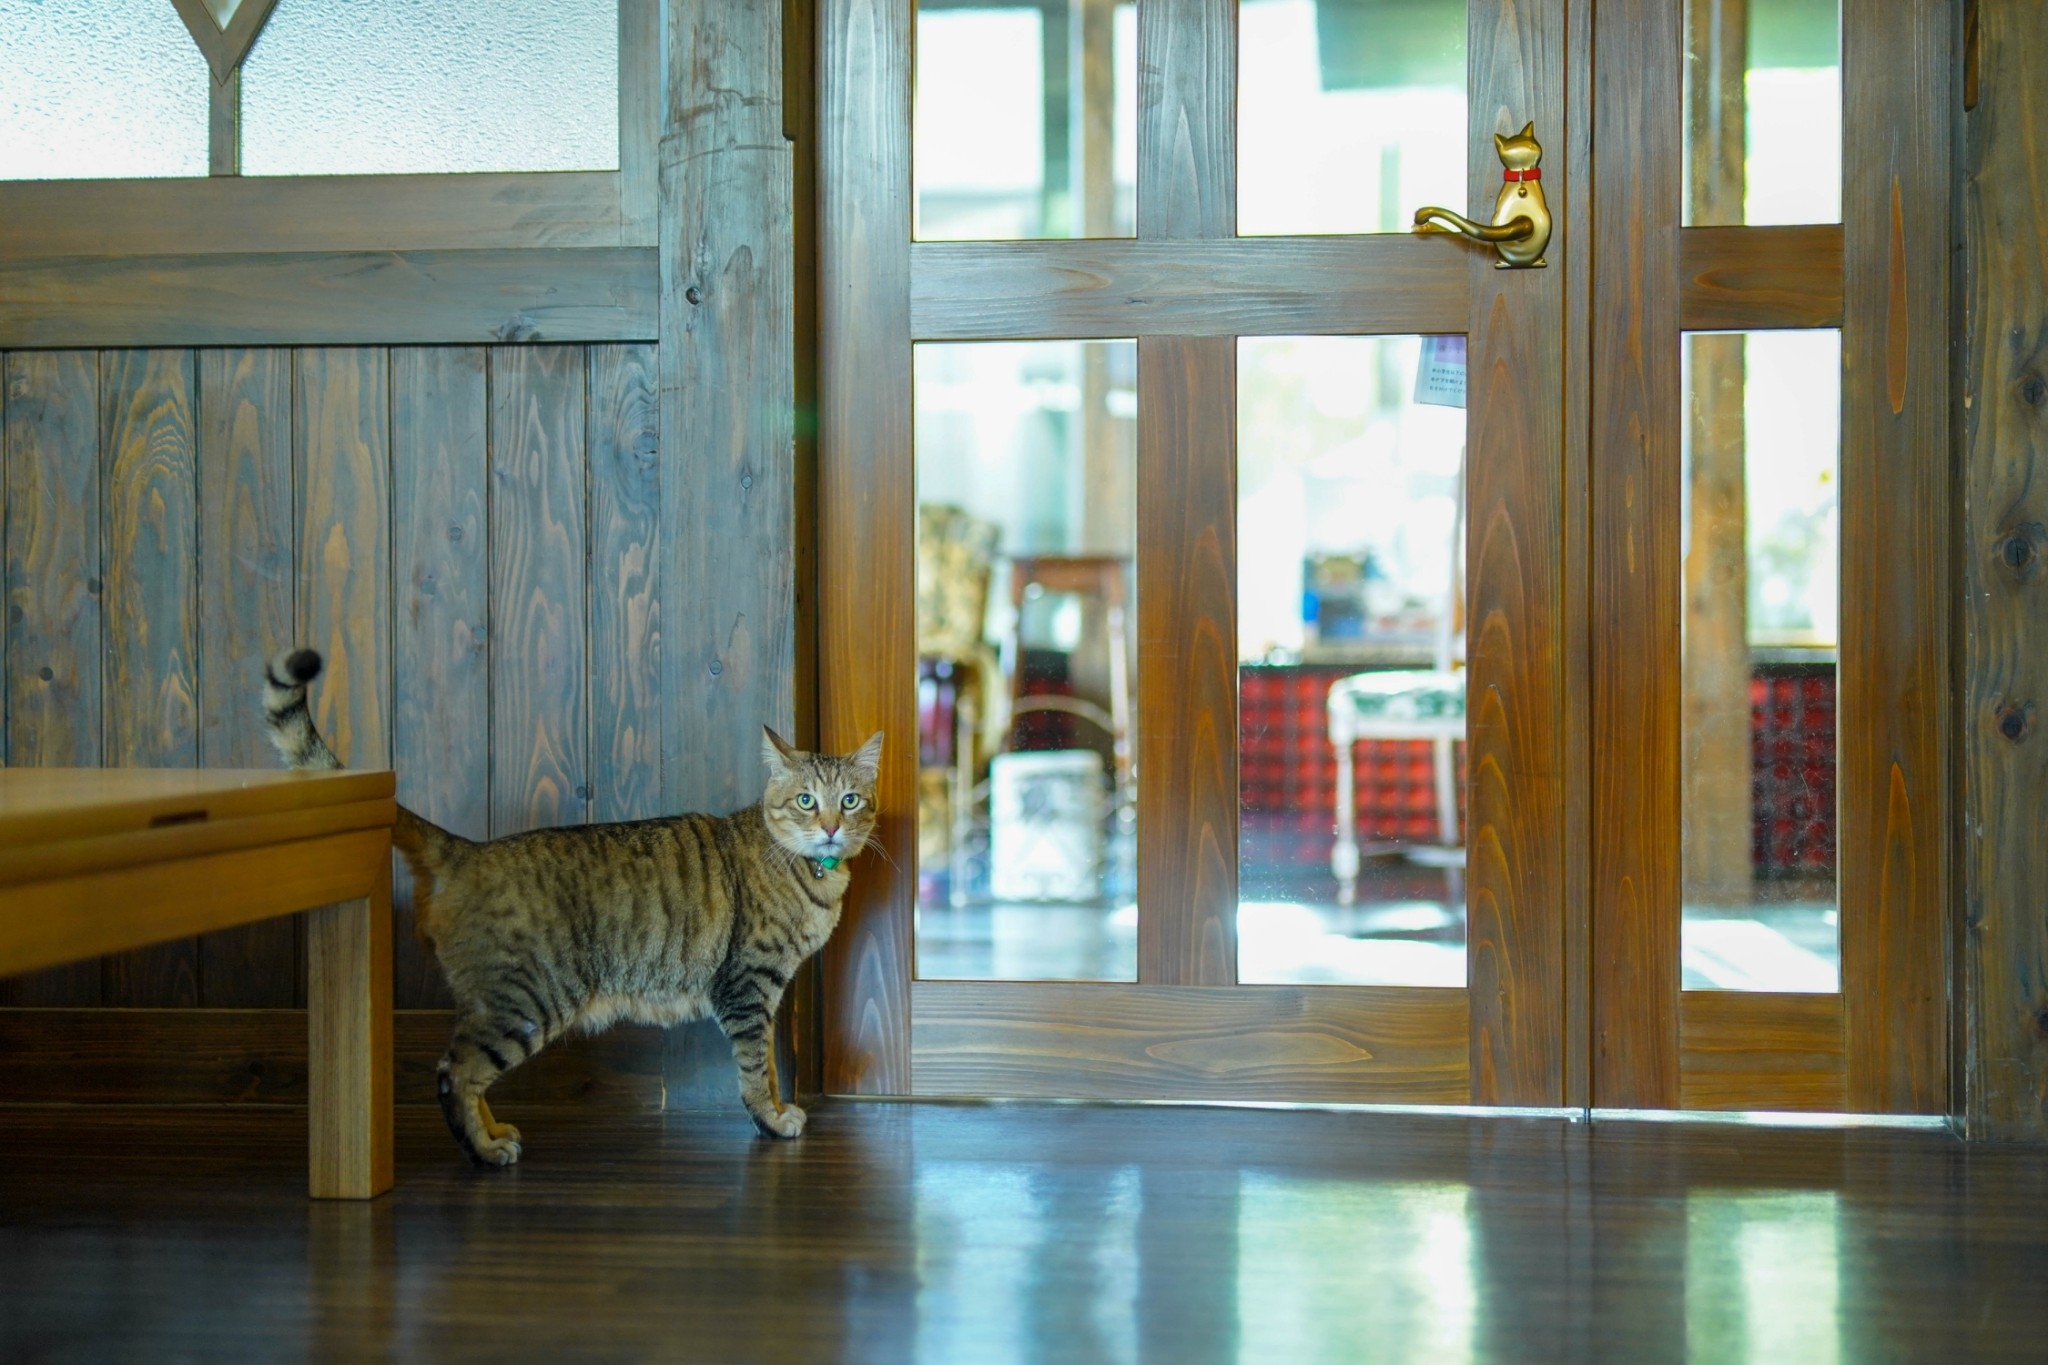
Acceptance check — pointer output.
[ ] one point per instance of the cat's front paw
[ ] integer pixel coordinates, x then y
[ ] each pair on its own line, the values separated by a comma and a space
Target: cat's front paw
500, 1151
784, 1121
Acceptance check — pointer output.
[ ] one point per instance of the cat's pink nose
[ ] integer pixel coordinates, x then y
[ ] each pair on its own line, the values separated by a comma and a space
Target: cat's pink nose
830, 829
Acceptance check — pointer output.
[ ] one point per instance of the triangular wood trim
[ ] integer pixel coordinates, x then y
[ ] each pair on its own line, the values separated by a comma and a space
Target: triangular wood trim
224, 47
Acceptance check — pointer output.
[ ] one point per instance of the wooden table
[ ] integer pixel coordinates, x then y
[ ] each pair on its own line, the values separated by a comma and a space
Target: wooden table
101, 860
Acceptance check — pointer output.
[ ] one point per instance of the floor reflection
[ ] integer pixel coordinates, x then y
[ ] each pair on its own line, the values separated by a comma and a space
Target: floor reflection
1762, 1277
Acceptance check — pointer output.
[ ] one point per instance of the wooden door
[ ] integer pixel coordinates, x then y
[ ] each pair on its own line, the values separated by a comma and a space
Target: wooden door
1186, 289
1753, 764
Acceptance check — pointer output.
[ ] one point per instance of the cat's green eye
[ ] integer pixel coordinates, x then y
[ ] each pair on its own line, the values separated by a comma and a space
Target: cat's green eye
850, 801
804, 801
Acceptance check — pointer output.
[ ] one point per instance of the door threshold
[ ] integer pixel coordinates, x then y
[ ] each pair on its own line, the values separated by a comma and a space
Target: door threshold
1758, 1118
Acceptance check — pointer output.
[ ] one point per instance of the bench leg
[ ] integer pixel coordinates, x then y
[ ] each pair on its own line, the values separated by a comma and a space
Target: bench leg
348, 1038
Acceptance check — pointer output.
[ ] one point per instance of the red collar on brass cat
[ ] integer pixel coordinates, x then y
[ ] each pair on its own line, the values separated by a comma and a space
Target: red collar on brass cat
1533, 173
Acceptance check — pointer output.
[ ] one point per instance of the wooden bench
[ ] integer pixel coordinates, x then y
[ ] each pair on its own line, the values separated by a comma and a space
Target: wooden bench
102, 860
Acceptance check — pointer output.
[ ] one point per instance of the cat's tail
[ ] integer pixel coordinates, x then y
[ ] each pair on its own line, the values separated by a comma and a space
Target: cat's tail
428, 849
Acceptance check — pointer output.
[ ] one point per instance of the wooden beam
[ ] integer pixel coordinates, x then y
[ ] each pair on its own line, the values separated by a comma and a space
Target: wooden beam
2000, 1010
238, 215
1327, 1044
330, 298
1894, 714
1381, 284
1735, 279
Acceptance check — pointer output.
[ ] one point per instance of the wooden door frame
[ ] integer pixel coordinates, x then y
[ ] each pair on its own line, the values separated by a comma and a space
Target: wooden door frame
1186, 287
1882, 277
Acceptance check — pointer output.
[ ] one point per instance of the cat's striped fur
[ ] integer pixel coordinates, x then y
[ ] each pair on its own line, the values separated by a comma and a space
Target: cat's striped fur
660, 921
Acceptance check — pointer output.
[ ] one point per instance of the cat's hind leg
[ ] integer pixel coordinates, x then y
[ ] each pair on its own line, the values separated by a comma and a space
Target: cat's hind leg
487, 1044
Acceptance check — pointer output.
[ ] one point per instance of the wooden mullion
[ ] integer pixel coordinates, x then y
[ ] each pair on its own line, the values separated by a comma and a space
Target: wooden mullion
1187, 652
224, 125
1635, 559
1893, 716
866, 513
1187, 147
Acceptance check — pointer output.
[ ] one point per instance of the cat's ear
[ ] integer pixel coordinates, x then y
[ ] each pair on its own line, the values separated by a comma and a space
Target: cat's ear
1528, 133
778, 755
867, 759
1500, 145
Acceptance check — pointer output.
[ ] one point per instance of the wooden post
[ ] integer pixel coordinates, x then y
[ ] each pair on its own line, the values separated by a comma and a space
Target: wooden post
348, 1048
2000, 1024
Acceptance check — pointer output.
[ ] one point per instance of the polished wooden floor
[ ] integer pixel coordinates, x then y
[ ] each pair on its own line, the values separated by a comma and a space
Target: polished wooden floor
955, 1234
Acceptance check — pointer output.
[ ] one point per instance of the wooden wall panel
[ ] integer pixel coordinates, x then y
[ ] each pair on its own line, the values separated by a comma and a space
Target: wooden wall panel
245, 561
1635, 559
1894, 705
53, 593
150, 624
1520, 721
2001, 945
342, 467
538, 668
1187, 661
441, 629
625, 608
866, 511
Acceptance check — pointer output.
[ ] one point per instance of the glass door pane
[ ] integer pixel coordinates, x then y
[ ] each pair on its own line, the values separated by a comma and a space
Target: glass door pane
1026, 119
1761, 626
1350, 113
1351, 662
1026, 664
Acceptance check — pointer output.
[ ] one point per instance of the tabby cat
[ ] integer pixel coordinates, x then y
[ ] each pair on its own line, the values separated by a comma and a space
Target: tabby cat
658, 921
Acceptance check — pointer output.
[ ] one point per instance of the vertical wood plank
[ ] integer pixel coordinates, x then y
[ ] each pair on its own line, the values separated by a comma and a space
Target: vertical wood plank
245, 615
342, 468
2001, 1047
624, 612
727, 389
1898, 93
149, 546
1187, 99
538, 672
1187, 677
866, 507
1519, 716
440, 631
53, 594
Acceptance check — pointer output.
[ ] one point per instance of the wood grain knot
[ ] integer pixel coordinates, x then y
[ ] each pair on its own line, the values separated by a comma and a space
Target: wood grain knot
2034, 390
693, 294
2041, 1020
2016, 722
518, 327
2020, 551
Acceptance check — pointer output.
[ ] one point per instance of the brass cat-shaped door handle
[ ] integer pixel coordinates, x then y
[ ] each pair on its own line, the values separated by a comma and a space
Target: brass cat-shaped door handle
1520, 229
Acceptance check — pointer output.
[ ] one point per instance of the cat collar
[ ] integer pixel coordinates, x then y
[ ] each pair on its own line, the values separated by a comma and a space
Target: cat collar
820, 866
1533, 173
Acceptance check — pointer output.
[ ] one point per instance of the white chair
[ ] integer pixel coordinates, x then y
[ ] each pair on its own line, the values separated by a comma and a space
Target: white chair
1406, 704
